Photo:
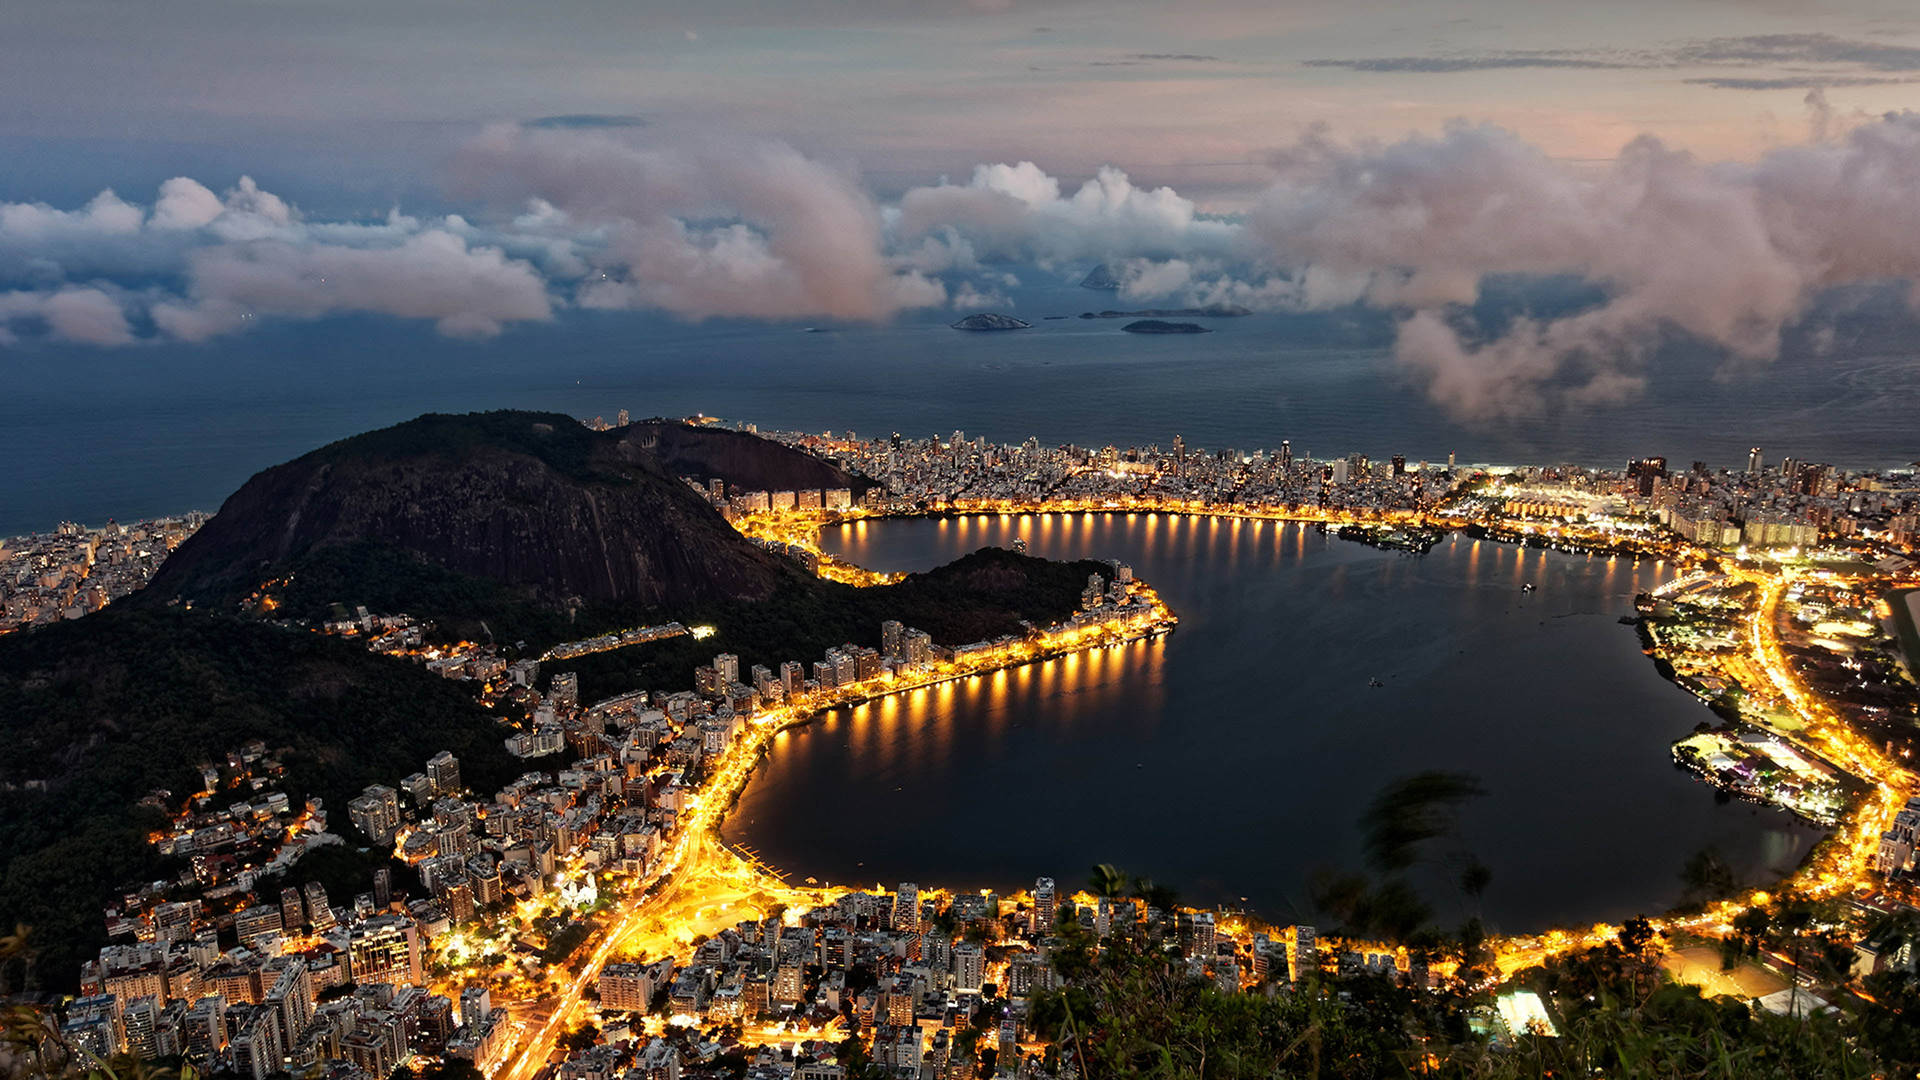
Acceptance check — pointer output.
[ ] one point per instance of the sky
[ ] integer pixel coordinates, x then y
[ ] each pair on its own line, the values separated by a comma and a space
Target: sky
1727, 170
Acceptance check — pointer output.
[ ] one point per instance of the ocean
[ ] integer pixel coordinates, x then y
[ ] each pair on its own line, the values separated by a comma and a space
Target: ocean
90, 434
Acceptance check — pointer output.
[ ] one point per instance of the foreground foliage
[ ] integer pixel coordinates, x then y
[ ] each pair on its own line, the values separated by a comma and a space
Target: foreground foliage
1132, 1010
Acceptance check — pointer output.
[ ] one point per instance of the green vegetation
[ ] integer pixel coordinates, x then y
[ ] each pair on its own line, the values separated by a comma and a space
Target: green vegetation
556, 439
1130, 1008
982, 595
561, 945
388, 579
101, 712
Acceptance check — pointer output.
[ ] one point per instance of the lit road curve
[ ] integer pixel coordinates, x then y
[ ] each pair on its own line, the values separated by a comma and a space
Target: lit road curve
710, 885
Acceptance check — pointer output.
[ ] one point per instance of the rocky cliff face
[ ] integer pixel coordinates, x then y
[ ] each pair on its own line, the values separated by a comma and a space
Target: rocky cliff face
534, 502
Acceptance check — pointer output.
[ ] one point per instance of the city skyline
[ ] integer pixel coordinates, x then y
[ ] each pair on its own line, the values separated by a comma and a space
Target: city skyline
959, 539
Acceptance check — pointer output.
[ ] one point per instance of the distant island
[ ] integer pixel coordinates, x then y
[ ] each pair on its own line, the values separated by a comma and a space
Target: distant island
1100, 278
1155, 326
991, 321
1211, 311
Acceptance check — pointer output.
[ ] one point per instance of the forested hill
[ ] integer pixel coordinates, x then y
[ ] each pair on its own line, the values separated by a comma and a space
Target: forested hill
97, 713
508, 515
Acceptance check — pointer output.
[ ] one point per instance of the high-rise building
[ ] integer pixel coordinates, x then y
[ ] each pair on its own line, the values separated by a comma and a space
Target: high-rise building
256, 924
969, 967
1754, 464
174, 922
292, 913
141, 1020
257, 1049
728, 667
319, 908
443, 772
1286, 455
1043, 905
789, 984
458, 897
1647, 471
1399, 464
376, 813
206, 1028
893, 640
290, 994
385, 948
906, 907
1305, 959
1200, 934
382, 887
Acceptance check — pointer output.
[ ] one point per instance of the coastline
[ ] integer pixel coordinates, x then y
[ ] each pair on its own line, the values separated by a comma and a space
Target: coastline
1831, 865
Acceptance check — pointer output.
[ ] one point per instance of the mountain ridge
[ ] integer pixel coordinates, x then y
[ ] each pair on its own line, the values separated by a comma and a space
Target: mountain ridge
543, 510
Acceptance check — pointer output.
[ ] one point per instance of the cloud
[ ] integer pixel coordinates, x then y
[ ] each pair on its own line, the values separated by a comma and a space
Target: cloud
969, 298
198, 264
1799, 49
707, 228
1834, 61
186, 203
81, 314
1446, 65
106, 215
467, 292
1019, 212
1794, 82
1661, 243
1727, 254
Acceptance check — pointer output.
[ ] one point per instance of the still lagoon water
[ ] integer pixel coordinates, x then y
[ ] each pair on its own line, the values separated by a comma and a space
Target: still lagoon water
1232, 758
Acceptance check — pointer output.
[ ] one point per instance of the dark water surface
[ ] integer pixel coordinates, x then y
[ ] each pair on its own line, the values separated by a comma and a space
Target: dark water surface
1233, 757
87, 434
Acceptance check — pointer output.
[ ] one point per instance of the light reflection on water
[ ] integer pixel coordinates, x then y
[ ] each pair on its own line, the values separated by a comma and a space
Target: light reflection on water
1233, 757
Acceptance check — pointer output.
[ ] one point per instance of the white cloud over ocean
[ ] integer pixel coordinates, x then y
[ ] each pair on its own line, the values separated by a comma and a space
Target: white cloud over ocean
1729, 254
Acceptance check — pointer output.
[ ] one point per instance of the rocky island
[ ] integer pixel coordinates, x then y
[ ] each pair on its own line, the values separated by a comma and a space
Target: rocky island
991, 321
1155, 326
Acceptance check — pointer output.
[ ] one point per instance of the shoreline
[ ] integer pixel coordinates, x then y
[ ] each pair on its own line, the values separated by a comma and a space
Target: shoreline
1869, 802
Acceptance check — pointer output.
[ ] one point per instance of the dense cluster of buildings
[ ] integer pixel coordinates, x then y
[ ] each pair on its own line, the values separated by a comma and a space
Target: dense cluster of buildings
240, 965
64, 574
1796, 504
959, 473
937, 984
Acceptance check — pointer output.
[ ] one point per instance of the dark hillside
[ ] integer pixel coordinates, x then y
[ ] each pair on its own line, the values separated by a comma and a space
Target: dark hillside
99, 712
554, 516
746, 462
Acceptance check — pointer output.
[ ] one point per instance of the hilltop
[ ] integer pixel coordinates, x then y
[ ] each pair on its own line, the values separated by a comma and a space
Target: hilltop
519, 518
